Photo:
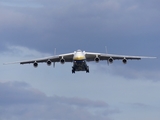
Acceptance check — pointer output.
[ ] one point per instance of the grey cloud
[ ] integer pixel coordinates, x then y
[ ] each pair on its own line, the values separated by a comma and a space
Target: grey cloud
20, 101
81, 102
140, 105
132, 70
17, 93
90, 22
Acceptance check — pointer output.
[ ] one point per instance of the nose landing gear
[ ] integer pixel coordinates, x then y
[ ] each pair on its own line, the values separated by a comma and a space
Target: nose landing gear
73, 70
87, 69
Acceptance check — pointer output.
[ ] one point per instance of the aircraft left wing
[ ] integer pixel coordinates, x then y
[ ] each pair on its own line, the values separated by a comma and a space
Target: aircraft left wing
57, 58
110, 57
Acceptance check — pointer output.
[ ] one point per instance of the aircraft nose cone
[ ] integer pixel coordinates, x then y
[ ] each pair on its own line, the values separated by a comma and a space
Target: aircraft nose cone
79, 58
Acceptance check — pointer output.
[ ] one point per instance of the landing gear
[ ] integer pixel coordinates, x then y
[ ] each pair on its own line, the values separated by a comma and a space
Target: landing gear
87, 69
73, 70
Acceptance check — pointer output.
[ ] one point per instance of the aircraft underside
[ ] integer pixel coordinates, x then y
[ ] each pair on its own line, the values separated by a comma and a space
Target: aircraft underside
80, 65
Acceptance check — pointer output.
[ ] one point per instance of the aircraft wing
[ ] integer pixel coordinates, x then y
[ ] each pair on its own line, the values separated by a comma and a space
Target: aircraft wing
102, 56
67, 57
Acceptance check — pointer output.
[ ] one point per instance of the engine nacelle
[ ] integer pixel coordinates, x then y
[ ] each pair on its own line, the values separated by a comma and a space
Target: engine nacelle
97, 59
110, 60
62, 61
35, 64
124, 61
49, 62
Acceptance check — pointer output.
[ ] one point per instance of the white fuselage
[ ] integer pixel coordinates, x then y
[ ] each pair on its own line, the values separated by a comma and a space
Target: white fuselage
79, 61
79, 55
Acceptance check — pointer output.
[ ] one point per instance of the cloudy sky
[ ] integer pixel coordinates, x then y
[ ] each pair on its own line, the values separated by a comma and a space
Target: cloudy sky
34, 28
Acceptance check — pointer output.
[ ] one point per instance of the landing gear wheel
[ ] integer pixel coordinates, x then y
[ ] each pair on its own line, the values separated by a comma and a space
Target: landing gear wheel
87, 69
73, 70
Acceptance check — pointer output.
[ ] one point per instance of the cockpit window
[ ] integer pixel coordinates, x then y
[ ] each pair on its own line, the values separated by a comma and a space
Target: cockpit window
79, 50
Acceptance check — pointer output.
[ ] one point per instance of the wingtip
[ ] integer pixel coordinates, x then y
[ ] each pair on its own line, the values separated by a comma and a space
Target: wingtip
11, 63
154, 57
5, 63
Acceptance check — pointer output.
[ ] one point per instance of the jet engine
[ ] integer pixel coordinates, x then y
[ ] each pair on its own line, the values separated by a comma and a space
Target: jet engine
35, 64
97, 59
124, 60
110, 60
49, 62
62, 61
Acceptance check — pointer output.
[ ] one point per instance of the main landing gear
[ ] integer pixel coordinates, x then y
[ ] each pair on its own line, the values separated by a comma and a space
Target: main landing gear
86, 69
73, 70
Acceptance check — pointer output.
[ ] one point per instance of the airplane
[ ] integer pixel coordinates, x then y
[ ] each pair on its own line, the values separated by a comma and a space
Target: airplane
80, 58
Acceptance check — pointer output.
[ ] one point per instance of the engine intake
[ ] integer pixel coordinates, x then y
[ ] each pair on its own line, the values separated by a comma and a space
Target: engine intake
62, 61
49, 62
35, 64
124, 61
110, 60
97, 59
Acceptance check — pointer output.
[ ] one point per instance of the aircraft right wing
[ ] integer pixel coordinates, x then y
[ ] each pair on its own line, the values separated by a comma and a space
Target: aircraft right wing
110, 57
